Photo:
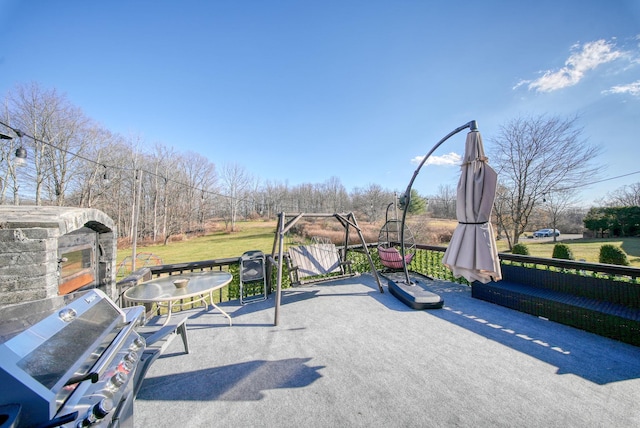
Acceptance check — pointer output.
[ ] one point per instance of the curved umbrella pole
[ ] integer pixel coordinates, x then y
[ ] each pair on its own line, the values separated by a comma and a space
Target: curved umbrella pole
406, 198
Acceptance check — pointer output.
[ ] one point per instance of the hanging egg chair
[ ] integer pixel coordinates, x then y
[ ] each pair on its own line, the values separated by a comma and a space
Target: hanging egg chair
390, 247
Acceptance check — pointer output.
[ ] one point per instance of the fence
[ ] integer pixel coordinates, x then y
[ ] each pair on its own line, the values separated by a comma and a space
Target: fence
427, 261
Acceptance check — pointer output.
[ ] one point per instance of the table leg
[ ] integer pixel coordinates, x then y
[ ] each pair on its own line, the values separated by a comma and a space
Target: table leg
216, 306
169, 309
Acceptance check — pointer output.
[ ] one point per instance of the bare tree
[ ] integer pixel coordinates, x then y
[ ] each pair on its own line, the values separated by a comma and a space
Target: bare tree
625, 196
236, 182
534, 157
92, 178
8, 165
372, 201
443, 203
70, 135
176, 203
200, 177
255, 204
119, 192
275, 195
73, 161
336, 196
555, 205
164, 162
60, 134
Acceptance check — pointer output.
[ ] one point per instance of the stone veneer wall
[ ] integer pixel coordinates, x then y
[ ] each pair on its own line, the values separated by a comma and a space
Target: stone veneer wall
29, 249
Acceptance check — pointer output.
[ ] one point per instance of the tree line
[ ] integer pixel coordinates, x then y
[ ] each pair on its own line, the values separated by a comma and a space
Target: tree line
74, 161
614, 221
157, 193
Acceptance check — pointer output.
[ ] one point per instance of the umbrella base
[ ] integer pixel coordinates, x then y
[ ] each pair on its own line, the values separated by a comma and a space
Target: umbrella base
413, 295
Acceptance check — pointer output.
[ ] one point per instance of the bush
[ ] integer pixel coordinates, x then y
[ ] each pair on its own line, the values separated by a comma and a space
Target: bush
521, 249
562, 251
613, 255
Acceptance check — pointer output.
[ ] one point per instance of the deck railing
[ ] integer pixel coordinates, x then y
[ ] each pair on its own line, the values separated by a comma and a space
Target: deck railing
427, 261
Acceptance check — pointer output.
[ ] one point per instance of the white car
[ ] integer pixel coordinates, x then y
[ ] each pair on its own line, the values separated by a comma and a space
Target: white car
546, 233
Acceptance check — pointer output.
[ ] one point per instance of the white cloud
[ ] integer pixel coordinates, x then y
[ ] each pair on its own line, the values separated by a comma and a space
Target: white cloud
520, 83
450, 159
630, 88
586, 57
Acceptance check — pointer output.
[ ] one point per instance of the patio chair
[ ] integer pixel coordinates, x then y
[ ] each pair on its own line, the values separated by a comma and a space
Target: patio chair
316, 262
252, 277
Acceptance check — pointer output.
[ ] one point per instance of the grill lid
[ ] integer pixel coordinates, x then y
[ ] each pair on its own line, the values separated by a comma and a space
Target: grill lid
14, 319
46, 345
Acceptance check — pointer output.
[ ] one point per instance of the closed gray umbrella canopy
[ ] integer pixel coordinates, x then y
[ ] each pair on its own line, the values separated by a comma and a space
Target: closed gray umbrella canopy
472, 252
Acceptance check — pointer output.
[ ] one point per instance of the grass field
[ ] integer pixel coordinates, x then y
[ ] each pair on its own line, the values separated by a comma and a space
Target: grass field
259, 235
584, 249
256, 235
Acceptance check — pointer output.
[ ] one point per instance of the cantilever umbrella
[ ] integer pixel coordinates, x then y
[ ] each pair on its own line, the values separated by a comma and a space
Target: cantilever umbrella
472, 252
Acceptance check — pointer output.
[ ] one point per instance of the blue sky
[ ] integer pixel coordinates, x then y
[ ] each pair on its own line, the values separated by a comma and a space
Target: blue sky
300, 91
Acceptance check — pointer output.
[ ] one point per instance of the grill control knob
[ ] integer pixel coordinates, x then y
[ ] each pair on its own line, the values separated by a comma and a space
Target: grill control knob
97, 412
138, 343
103, 408
116, 381
125, 366
131, 357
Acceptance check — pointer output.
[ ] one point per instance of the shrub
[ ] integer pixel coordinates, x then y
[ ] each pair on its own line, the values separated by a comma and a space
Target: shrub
613, 255
521, 249
562, 251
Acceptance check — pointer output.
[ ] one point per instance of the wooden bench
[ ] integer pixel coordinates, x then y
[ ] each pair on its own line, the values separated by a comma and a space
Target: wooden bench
601, 306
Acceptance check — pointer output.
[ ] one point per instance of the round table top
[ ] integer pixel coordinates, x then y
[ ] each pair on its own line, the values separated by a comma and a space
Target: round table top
162, 289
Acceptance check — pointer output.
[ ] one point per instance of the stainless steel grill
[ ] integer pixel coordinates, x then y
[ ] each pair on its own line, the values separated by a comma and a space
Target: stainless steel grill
70, 360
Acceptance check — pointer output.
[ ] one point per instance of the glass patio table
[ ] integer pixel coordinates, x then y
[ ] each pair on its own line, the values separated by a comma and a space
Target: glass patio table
162, 292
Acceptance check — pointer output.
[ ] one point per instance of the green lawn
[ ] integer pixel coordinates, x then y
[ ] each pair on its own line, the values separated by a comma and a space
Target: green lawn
218, 245
583, 249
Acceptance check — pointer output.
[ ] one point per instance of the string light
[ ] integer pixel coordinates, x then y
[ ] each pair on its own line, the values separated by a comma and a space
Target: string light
21, 156
21, 153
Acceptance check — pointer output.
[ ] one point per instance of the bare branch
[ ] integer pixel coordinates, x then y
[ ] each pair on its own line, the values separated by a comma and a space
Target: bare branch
537, 157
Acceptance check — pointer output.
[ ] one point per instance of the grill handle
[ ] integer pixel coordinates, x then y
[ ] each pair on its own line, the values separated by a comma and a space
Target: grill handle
10, 415
56, 422
92, 376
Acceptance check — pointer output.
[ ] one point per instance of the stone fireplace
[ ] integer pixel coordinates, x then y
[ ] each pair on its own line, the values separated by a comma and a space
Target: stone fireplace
48, 251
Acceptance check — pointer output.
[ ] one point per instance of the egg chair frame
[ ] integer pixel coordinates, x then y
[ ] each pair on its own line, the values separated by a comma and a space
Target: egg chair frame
389, 243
